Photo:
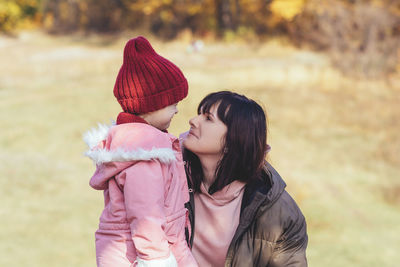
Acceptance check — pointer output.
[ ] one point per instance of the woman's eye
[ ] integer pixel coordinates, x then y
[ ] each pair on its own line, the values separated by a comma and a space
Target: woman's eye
208, 117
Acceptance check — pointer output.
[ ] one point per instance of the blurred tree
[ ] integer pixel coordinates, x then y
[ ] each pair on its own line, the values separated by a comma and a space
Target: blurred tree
363, 36
62, 16
13, 12
164, 17
10, 13
287, 9
224, 15
104, 15
168, 17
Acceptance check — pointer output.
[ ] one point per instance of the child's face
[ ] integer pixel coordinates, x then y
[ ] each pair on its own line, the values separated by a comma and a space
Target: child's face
161, 118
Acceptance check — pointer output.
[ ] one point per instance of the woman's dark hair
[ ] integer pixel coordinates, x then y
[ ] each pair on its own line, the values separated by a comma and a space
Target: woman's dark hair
245, 141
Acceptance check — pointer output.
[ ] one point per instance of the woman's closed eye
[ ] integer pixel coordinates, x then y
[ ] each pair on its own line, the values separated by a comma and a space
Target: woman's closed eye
208, 117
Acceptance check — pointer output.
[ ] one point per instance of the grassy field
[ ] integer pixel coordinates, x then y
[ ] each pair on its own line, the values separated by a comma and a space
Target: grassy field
335, 141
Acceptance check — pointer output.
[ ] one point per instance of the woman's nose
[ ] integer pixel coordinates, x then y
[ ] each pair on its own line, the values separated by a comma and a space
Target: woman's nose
193, 122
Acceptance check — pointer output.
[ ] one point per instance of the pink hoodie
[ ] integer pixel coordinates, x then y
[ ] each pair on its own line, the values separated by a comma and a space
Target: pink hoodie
141, 172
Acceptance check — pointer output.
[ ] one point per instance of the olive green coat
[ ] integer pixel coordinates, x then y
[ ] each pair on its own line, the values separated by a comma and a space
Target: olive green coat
272, 230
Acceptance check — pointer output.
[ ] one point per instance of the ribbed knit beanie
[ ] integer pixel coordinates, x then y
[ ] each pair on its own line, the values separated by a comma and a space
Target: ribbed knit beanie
146, 81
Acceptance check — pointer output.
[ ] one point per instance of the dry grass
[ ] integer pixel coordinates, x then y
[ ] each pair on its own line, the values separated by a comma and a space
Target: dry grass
334, 140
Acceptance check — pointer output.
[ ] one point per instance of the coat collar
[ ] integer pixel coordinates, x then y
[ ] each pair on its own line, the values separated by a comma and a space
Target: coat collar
96, 140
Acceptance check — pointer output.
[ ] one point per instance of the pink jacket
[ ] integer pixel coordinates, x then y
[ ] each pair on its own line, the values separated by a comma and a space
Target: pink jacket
141, 173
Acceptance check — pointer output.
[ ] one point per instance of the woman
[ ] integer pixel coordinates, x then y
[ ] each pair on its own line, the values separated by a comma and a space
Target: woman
240, 213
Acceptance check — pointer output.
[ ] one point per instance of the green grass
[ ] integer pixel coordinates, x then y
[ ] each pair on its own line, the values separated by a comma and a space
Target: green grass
334, 140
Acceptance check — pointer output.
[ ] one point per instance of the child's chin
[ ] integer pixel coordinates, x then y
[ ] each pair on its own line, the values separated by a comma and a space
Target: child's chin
164, 128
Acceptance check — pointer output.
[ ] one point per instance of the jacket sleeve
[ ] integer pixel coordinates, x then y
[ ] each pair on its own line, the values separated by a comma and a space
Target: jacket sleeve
290, 250
292, 255
144, 202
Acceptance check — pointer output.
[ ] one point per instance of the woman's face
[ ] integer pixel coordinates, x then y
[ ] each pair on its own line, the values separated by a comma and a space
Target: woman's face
207, 134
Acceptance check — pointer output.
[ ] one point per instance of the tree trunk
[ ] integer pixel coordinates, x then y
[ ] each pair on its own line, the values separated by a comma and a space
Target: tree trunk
224, 16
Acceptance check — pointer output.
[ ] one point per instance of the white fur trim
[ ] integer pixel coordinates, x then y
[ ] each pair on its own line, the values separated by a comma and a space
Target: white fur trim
95, 135
164, 155
168, 262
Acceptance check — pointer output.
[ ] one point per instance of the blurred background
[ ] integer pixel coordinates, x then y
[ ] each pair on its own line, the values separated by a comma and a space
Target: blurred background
326, 72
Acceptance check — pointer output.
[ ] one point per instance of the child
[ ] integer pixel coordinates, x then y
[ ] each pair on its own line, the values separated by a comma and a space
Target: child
140, 167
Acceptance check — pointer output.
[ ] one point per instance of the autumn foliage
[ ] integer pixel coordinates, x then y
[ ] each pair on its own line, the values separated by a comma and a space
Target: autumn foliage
362, 36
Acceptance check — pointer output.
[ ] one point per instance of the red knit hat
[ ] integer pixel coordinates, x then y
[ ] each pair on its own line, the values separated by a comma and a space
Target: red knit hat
146, 81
